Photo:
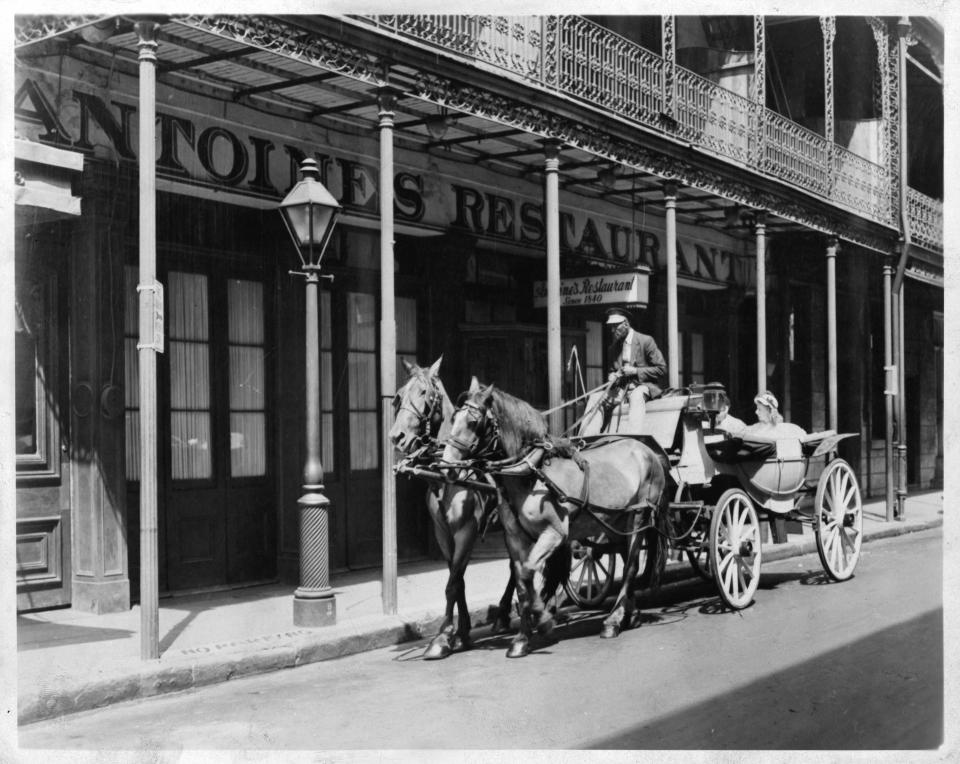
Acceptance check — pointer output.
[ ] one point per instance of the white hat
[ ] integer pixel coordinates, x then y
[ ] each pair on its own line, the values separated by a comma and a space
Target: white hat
616, 318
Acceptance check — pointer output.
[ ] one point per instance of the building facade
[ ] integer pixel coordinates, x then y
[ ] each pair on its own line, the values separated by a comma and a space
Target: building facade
764, 192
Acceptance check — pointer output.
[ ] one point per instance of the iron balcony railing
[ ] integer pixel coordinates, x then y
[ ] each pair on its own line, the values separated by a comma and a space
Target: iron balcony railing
576, 57
926, 220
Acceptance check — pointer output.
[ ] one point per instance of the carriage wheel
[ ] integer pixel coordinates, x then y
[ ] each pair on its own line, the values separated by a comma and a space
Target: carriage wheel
838, 520
591, 572
735, 548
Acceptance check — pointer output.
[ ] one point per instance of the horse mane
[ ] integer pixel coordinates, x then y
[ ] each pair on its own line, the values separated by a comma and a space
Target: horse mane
447, 409
520, 423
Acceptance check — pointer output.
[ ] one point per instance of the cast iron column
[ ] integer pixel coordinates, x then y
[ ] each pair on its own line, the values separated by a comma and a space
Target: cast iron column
673, 322
314, 603
760, 231
554, 345
832, 331
890, 384
388, 351
150, 303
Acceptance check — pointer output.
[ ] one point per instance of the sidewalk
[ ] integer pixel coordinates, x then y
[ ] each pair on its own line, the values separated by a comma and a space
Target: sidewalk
69, 661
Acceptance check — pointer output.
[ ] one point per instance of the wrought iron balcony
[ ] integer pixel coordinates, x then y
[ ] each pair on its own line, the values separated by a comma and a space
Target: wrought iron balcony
580, 59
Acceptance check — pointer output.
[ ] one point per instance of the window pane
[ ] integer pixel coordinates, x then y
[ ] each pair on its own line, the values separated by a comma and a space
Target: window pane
245, 304
26, 392
246, 378
248, 447
189, 375
131, 373
361, 322
594, 344
189, 318
190, 445
326, 381
406, 312
326, 443
325, 341
132, 430
364, 448
362, 380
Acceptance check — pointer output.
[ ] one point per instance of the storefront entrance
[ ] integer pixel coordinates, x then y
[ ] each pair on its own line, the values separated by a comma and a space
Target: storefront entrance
217, 519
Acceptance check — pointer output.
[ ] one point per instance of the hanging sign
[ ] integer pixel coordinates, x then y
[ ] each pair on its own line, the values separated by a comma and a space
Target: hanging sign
630, 287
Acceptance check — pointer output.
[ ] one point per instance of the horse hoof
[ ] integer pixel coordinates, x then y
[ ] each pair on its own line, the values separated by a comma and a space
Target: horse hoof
519, 650
610, 631
437, 649
460, 643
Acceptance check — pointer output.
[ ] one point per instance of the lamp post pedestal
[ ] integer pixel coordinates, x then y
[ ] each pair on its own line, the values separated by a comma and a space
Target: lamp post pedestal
313, 602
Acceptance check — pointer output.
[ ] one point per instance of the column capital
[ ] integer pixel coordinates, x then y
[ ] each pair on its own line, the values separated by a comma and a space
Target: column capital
832, 244
551, 148
387, 97
146, 30
670, 188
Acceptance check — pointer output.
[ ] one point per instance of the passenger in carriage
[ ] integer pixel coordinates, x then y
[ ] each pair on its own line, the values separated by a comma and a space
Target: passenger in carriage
770, 425
728, 423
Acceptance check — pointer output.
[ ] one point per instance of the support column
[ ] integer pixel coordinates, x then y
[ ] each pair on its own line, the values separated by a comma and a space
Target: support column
388, 350
551, 151
890, 387
673, 323
832, 332
151, 303
760, 232
828, 25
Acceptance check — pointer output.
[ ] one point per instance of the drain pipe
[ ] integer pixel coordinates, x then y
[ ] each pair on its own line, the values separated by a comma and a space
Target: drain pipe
903, 29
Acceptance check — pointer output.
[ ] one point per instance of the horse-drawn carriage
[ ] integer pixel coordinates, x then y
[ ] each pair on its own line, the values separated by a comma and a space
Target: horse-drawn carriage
570, 506
722, 488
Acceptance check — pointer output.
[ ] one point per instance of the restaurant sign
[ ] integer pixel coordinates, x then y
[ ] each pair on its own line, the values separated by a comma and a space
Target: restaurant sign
629, 287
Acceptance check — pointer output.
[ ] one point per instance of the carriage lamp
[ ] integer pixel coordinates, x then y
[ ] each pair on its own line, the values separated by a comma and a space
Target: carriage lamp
713, 394
310, 212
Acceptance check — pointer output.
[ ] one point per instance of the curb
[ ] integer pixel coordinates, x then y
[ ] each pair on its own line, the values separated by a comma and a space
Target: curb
89, 693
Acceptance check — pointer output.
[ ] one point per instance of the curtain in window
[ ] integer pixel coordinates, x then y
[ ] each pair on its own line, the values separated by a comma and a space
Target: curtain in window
363, 414
248, 447
189, 351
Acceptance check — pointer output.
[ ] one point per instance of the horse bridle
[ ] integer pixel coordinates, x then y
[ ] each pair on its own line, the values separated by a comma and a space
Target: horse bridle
429, 410
487, 424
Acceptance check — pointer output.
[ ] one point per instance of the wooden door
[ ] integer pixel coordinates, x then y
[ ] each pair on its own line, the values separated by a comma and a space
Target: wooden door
218, 497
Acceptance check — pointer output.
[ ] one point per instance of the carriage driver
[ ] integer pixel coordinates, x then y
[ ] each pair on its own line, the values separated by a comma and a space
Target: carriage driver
637, 364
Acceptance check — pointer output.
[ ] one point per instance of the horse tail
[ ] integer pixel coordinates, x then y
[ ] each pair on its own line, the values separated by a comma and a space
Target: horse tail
660, 541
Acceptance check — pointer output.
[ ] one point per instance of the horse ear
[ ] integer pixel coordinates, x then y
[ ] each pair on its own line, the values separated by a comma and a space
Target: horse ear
488, 394
474, 385
435, 369
408, 366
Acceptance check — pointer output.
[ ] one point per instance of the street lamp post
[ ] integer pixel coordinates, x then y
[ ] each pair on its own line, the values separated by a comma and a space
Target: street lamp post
310, 212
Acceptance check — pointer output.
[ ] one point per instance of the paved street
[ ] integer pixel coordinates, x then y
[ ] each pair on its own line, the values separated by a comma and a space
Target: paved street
810, 665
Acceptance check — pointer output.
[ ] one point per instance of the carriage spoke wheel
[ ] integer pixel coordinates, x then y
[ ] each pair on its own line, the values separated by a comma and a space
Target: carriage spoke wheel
735, 548
838, 522
591, 572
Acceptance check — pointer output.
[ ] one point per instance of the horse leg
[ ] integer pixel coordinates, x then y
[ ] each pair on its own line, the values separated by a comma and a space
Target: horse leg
520, 646
500, 619
550, 539
440, 646
463, 541
621, 615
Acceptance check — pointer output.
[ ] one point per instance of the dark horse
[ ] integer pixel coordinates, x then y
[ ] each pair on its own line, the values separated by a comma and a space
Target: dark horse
423, 413
620, 478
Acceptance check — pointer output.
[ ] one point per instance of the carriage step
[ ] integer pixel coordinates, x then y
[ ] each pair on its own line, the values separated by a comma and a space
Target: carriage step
686, 505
